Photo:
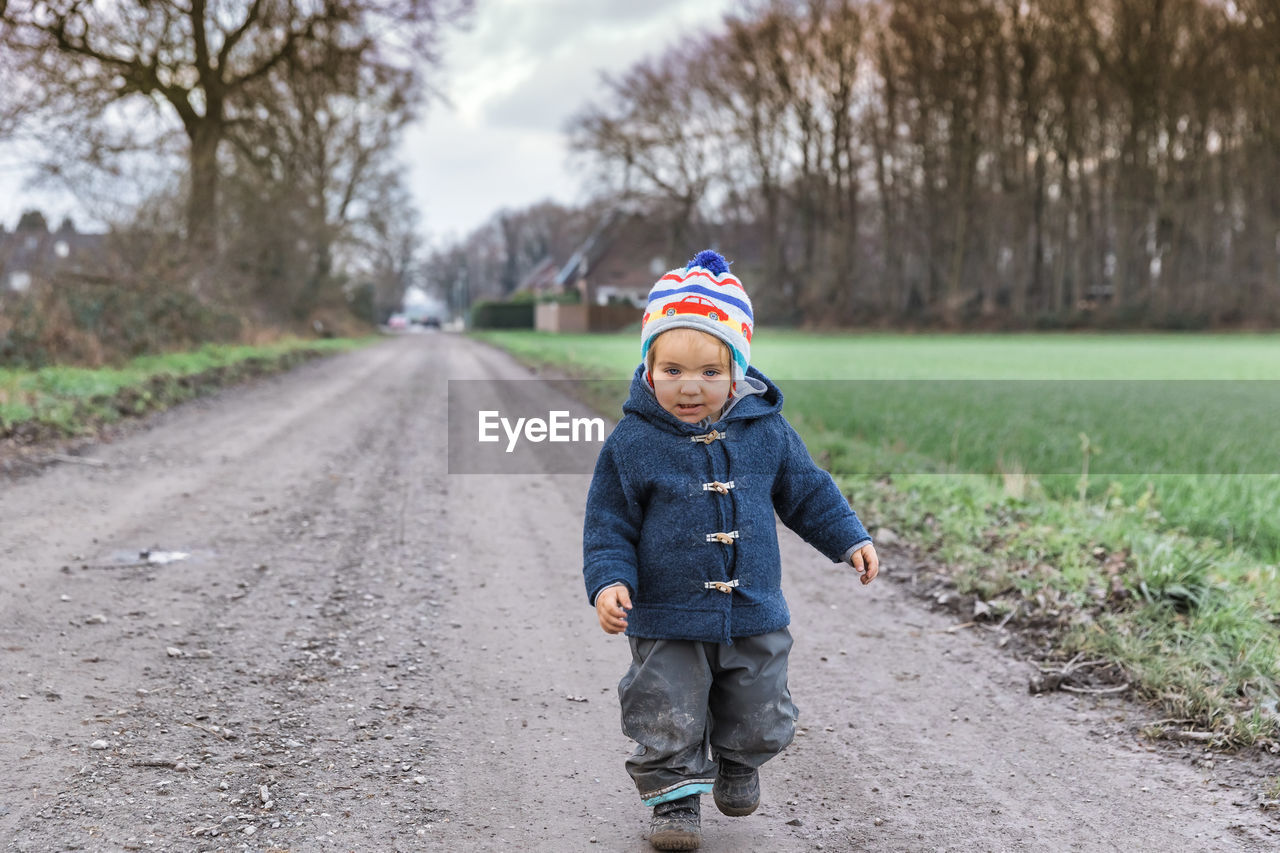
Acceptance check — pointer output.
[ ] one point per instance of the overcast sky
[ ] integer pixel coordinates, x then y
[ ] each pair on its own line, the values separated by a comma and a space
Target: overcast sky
513, 79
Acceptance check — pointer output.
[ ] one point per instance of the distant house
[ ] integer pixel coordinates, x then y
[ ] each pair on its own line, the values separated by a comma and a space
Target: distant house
620, 260
32, 253
609, 274
611, 271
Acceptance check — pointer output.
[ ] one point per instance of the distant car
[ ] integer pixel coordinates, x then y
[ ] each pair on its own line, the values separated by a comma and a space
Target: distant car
398, 322
428, 322
693, 305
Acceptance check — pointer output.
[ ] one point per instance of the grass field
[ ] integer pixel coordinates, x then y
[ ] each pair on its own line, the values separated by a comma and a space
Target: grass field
1126, 486
801, 355
1119, 414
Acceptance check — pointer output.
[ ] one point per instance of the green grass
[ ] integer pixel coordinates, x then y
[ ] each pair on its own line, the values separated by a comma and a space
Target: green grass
72, 400
786, 354
1076, 412
1190, 619
1157, 548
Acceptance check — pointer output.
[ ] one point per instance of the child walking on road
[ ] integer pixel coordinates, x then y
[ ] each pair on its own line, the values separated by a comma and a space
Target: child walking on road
680, 551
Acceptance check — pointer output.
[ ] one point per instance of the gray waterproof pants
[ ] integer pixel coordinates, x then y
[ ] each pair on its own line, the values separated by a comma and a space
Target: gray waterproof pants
688, 703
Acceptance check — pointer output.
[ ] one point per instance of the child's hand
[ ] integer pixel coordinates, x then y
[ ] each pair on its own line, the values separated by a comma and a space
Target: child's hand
866, 563
612, 605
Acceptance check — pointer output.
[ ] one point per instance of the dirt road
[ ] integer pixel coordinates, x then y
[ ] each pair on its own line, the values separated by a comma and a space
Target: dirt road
362, 652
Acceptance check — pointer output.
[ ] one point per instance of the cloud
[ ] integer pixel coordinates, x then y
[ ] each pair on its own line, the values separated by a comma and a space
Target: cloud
461, 174
550, 94
554, 66
514, 79
538, 28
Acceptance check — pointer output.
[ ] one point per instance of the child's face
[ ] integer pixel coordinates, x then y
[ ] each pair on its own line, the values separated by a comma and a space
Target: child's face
690, 371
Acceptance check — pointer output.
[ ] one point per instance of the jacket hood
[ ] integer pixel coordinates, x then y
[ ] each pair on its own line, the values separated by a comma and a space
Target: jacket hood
764, 399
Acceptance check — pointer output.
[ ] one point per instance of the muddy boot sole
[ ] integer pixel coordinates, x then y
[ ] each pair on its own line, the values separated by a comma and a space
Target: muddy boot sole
677, 825
675, 839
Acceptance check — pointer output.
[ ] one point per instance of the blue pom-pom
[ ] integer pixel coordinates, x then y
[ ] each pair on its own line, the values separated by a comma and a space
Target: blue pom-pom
712, 262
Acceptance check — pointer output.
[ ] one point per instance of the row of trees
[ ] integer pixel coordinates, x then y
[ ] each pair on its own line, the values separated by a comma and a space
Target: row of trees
267, 129
1020, 160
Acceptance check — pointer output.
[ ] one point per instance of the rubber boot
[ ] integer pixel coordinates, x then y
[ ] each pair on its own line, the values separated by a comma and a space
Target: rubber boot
737, 788
677, 824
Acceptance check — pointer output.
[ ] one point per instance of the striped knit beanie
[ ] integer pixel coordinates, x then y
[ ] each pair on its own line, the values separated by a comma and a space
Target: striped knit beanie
704, 296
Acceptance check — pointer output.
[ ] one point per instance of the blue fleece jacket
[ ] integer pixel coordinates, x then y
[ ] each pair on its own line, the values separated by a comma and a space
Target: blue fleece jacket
663, 488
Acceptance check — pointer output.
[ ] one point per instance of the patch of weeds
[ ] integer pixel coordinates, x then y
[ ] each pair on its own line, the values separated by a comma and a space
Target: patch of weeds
1190, 624
1173, 576
56, 402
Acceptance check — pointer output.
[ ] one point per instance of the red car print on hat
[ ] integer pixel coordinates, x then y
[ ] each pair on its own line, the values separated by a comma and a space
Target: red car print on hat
694, 305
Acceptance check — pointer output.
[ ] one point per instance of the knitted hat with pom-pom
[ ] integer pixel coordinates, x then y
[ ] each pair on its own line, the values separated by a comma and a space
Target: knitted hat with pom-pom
704, 296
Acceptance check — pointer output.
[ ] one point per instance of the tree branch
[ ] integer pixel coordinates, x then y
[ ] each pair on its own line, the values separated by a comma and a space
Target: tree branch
233, 38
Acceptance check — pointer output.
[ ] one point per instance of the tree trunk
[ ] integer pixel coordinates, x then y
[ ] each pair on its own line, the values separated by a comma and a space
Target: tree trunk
1035, 287
202, 204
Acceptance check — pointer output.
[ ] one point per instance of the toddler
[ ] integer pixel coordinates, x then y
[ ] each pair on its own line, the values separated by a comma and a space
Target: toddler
680, 551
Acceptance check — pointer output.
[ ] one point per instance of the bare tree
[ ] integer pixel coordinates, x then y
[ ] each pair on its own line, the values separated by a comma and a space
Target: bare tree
315, 158
658, 136
201, 62
534, 234
753, 84
388, 247
1011, 161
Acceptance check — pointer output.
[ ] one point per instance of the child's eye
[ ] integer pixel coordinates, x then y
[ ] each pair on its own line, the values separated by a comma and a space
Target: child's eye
672, 371
712, 372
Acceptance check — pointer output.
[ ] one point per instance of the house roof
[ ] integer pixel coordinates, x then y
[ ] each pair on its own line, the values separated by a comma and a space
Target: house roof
627, 251
583, 258
41, 253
